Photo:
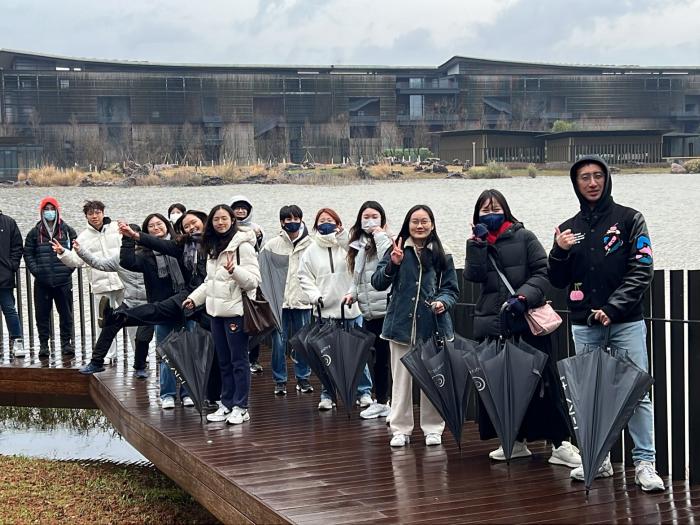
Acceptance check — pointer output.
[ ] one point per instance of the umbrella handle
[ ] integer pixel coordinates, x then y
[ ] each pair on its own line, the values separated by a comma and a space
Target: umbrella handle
590, 321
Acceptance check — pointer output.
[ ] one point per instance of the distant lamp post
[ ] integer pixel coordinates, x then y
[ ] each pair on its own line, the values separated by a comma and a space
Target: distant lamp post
473, 153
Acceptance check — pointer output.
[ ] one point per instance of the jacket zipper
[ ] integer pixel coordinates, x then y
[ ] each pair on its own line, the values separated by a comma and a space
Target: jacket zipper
415, 306
330, 257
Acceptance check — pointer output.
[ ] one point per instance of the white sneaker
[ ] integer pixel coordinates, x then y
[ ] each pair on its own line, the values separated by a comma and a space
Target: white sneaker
238, 416
520, 450
326, 404
167, 403
220, 415
187, 401
646, 477
433, 439
365, 401
399, 440
566, 454
605, 470
375, 410
18, 348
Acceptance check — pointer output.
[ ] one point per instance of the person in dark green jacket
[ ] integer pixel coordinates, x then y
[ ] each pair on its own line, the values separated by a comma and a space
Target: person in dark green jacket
423, 289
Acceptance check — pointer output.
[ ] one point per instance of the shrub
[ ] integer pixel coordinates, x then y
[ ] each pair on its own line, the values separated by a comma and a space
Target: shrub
692, 166
408, 152
493, 170
53, 176
531, 171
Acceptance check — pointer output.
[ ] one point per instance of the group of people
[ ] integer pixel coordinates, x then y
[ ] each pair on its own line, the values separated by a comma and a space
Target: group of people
195, 267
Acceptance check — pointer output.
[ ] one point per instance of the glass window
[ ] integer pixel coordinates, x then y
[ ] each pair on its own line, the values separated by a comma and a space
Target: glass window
416, 106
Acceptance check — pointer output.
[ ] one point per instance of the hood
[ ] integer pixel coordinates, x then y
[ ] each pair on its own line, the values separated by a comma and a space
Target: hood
44, 229
49, 200
239, 238
606, 197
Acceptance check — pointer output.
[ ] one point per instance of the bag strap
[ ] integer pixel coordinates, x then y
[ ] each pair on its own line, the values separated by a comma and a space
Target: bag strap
502, 276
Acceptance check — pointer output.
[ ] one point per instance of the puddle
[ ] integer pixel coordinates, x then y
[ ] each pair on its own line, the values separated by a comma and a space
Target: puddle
64, 434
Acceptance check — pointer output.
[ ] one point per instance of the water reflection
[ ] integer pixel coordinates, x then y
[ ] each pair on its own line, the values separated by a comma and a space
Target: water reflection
63, 434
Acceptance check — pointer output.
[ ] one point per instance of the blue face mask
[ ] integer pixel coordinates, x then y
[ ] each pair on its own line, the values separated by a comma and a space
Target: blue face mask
493, 221
291, 227
50, 215
326, 228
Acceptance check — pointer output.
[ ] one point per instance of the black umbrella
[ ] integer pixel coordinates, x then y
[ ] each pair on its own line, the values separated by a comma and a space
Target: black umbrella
602, 391
190, 354
344, 351
298, 346
506, 374
440, 370
273, 272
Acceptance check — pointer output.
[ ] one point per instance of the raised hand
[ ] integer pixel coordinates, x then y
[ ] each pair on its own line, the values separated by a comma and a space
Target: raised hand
230, 264
126, 231
564, 239
397, 251
56, 247
76, 246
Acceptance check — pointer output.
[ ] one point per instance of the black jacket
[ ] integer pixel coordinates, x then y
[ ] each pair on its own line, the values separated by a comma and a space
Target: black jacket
41, 260
10, 251
195, 275
521, 257
413, 285
612, 265
144, 261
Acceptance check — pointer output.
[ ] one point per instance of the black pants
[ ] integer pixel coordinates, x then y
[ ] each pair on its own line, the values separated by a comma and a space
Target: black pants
44, 298
144, 334
381, 370
254, 353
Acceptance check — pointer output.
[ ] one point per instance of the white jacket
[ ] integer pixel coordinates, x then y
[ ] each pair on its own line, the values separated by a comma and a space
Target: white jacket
105, 244
294, 296
371, 301
323, 272
222, 290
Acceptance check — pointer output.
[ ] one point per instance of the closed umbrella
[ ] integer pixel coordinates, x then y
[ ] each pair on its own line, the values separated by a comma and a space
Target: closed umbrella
273, 272
298, 345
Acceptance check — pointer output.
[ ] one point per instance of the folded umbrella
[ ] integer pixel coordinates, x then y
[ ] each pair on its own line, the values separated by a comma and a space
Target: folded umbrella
273, 272
190, 354
506, 375
602, 390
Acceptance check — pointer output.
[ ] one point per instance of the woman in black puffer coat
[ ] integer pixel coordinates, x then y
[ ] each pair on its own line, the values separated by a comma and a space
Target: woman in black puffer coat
521, 257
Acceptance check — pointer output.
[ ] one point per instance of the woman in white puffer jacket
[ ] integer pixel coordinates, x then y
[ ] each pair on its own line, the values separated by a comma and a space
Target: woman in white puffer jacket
324, 277
232, 269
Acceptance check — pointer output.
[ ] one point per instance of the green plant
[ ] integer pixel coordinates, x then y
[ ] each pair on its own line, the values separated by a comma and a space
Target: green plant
692, 166
408, 152
531, 171
493, 170
560, 126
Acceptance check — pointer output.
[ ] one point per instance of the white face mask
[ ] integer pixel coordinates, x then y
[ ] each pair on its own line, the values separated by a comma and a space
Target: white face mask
174, 216
369, 224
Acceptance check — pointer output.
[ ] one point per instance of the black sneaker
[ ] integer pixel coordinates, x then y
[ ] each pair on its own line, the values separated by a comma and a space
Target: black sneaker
44, 350
304, 386
255, 368
281, 389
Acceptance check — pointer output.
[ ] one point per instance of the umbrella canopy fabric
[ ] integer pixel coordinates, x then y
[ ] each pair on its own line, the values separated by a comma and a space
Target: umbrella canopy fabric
273, 272
439, 368
506, 375
344, 351
190, 354
299, 346
602, 391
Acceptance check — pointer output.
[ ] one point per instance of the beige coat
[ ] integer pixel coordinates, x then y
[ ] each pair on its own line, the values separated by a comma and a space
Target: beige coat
294, 296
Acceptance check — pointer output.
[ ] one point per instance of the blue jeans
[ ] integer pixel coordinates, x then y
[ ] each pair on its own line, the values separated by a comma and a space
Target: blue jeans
630, 339
7, 303
231, 344
292, 321
168, 381
364, 386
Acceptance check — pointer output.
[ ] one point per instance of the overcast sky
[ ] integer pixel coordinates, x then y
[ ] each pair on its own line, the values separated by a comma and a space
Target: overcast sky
390, 32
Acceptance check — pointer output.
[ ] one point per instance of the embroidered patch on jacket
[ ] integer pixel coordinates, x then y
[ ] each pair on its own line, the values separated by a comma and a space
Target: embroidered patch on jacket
644, 252
612, 239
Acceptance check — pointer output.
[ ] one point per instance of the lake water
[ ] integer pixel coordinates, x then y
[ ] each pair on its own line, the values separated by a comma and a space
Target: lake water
666, 200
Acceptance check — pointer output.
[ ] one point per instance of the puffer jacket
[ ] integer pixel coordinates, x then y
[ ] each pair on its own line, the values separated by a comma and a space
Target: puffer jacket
221, 291
195, 272
294, 297
409, 317
42, 261
10, 250
521, 257
372, 302
144, 261
323, 273
134, 286
104, 243
612, 265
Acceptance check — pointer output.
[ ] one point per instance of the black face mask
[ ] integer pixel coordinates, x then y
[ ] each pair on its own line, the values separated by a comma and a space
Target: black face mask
493, 221
291, 227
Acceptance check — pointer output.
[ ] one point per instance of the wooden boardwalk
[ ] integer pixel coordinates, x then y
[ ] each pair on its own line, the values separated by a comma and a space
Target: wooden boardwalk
291, 463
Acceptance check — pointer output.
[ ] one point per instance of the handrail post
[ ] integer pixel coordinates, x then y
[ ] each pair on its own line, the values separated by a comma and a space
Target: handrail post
694, 375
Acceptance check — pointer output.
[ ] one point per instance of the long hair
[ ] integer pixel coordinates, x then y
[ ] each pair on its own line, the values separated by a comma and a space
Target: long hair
436, 255
492, 195
168, 226
356, 232
331, 212
213, 243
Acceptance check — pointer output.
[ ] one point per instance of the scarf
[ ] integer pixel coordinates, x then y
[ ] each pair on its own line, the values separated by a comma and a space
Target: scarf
361, 258
190, 252
169, 267
492, 236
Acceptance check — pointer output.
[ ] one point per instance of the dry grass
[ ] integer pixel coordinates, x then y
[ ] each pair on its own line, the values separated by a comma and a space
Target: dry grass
53, 176
42, 491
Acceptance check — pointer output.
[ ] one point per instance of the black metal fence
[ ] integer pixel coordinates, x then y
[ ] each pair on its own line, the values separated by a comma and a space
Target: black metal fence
672, 310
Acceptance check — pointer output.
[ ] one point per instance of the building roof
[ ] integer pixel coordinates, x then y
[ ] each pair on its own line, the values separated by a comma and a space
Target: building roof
605, 133
481, 131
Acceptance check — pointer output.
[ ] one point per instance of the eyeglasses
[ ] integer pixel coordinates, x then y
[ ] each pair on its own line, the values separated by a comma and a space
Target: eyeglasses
586, 177
422, 222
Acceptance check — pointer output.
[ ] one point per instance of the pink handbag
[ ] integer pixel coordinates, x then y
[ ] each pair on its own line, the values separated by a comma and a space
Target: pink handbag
542, 320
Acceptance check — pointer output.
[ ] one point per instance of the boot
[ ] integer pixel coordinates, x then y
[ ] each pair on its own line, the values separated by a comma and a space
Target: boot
44, 349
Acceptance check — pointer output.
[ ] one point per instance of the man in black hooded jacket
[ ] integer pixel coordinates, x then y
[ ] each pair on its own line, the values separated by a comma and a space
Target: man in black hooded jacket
603, 255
